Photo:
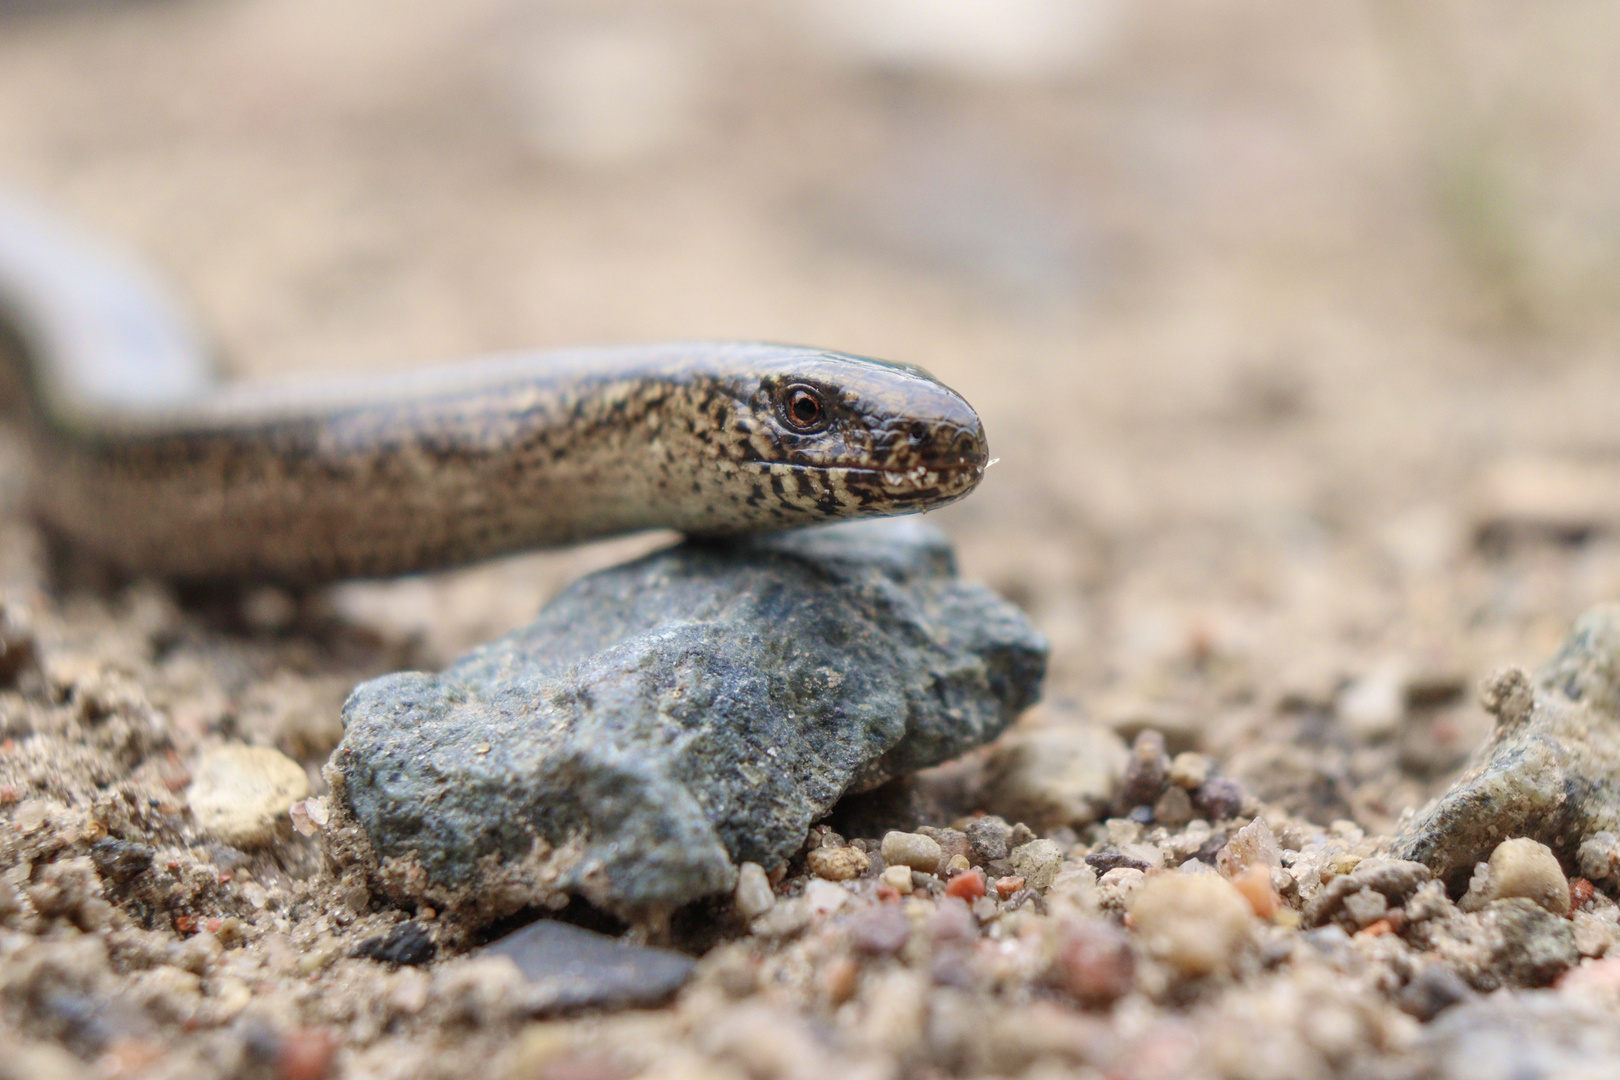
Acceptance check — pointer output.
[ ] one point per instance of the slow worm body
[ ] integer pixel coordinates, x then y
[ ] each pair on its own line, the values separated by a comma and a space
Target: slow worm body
145, 459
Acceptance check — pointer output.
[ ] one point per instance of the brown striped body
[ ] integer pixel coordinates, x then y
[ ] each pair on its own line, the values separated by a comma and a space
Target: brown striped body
313, 481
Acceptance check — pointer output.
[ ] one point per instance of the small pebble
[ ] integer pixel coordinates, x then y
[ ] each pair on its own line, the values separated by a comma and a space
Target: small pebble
1366, 906
1037, 862
306, 1054
1252, 845
824, 897
1527, 868
879, 931
838, 863
1196, 923
955, 865
967, 885
1146, 771
1435, 989
1174, 808
1219, 798
839, 980
1189, 770
1007, 886
987, 839
409, 944
1255, 885
919, 852
897, 878
952, 842
753, 895
240, 794
1095, 962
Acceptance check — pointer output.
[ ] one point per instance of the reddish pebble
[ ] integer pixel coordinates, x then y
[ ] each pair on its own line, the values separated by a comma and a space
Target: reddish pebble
968, 885
840, 979
1580, 891
213, 924
1006, 886
1377, 928
186, 924
1255, 885
1095, 962
8, 794
306, 1054
888, 894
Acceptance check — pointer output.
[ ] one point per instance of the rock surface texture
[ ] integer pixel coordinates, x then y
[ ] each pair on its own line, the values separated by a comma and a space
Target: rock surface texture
1551, 770
663, 721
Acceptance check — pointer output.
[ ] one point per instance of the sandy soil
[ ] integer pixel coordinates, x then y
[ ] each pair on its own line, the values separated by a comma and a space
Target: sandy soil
1292, 325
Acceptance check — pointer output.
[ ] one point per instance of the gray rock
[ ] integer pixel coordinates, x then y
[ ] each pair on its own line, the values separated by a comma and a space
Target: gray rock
568, 967
1524, 1034
1532, 946
1551, 770
665, 720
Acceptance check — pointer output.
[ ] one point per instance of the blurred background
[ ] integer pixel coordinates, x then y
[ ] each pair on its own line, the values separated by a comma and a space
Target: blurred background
1293, 324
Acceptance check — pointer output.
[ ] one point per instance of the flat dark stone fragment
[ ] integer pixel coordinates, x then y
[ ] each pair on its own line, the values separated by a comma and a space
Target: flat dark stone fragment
407, 944
572, 968
665, 720
1550, 771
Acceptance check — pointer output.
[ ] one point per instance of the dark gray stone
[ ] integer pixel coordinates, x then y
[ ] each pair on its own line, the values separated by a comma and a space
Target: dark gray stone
665, 720
408, 944
572, 968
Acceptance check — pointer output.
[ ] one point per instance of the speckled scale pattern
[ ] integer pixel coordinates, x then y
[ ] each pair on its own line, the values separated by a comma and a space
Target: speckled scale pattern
147, 461
551, 450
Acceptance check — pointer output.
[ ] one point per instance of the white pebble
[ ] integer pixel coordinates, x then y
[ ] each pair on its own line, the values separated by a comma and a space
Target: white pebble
1196, 923
753, 895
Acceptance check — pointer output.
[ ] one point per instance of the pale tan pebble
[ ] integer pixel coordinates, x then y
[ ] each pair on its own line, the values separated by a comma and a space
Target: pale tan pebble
536, 1048
1037, 862
241, 794
1151, 854
1594, 936
228, 997
1062, 773
753, 895
824, 897
956, 865
1189, 769
1371, 708
1115, 888
1250, 846
481, 990
169, 994
783, 920
894, 1017
1528, 868
897, 878
320, 955
45, 1061
912, 849
1122, 831
1198, 924
408, 990
838, 863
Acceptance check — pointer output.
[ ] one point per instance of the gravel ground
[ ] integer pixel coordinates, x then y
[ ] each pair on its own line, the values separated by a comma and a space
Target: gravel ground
1293, 326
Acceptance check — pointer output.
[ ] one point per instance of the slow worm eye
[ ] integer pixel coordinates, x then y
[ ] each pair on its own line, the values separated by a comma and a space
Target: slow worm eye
803, 408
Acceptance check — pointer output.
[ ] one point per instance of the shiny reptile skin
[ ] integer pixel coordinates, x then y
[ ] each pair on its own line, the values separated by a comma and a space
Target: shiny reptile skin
147, 461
